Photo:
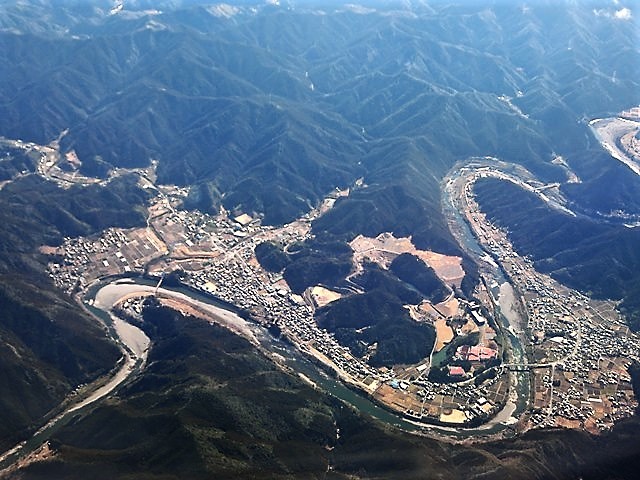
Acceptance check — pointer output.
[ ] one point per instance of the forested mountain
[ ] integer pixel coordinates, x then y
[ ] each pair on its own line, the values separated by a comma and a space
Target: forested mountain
273, 108
265, 108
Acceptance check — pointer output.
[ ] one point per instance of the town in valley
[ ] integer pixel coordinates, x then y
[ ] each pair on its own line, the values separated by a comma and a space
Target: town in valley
576, 351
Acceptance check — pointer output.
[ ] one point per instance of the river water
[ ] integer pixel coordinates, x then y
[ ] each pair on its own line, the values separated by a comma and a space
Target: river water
509, 316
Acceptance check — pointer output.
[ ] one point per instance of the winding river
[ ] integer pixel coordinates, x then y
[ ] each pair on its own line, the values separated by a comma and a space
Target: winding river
135, 345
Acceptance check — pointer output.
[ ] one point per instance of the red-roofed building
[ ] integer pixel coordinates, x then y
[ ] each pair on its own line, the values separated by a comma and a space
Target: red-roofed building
476, 353
455, 371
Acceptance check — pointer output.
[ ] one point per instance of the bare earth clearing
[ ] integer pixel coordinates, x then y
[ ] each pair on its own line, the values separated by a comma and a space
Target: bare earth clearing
385, 248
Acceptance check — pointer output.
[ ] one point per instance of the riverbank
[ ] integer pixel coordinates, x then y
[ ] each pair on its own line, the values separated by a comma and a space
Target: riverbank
134, 346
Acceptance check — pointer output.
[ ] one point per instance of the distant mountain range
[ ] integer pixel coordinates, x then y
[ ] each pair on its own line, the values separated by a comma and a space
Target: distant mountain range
270, 109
